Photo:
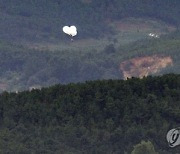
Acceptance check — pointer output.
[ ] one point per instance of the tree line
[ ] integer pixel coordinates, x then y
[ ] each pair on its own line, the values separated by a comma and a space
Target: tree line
108, 116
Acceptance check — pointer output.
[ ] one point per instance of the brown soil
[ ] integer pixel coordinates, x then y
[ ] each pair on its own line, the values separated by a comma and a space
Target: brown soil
143, 66
125, 25
122, 26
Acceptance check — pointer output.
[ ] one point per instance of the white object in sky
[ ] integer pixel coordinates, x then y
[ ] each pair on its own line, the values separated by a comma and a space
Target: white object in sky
72, 30
150, 34
157, 36
153, 35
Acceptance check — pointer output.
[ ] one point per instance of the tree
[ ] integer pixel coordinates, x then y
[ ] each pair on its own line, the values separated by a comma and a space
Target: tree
144, 148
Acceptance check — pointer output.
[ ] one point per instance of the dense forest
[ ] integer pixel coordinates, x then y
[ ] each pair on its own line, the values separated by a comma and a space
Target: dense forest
108, 116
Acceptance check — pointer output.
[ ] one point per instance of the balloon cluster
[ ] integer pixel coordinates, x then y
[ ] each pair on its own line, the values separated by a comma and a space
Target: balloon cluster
72, 30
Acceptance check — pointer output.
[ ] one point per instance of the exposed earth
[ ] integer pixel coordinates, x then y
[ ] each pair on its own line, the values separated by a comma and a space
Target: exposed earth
144, 66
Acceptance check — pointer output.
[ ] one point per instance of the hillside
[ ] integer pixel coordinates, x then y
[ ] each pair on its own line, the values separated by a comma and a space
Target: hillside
109, 116
114, 88
42, 20
22, 68
113, 41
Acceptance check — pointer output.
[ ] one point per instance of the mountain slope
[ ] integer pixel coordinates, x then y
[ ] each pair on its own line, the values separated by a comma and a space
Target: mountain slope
22, 68
34, 52
43, 20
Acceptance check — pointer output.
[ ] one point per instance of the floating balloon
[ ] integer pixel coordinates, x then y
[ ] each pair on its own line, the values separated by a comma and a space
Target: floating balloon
72, 30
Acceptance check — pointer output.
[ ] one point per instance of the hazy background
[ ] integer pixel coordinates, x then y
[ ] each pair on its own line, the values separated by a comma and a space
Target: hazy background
112, 35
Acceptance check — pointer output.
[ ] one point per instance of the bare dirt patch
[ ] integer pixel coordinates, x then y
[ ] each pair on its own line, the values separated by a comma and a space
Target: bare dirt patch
143, 66
143, 25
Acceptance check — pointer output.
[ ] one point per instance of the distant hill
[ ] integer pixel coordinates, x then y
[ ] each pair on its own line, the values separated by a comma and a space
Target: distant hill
113, 41
22, 68
109, 116
43, 20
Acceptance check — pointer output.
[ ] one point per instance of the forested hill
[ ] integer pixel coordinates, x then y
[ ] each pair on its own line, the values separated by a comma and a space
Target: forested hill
37, 20
22, 68
113, 41
109, 116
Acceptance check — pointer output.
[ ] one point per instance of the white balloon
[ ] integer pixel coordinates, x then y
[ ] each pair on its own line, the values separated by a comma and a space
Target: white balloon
66, 30
72, 30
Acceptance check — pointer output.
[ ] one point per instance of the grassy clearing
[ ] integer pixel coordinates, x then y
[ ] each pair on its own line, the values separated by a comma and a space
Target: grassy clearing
83, 59
126, 31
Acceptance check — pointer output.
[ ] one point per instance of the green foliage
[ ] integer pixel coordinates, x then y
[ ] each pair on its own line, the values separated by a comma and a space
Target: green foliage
41, 20
108, 116
144, 147
22, 68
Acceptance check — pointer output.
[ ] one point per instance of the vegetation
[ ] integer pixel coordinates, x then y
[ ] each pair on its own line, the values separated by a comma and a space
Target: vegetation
109, 116
80, 116
25, 23
22, 68
144, 147
41, 20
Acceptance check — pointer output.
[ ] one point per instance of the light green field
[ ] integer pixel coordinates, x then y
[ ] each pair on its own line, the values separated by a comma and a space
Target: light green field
90, 53
127, 31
